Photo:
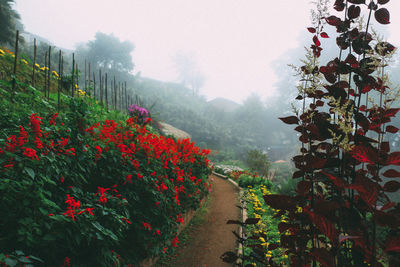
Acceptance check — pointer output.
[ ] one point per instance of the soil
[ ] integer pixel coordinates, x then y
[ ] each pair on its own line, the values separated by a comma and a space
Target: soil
210, 239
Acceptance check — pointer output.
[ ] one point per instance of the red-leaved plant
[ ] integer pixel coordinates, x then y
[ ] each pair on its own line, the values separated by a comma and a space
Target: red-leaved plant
342, 214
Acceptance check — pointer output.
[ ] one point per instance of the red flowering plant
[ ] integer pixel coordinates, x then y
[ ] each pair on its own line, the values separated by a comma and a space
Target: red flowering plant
89, 193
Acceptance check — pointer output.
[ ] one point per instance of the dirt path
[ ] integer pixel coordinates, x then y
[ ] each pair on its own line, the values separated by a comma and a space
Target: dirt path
209, 240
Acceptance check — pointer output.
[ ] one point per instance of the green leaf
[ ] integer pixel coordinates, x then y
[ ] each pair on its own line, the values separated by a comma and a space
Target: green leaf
23, 259
98, 226
10, 262
30, 172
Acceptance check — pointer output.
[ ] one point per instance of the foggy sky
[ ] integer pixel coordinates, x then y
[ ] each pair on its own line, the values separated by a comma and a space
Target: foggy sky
234, 41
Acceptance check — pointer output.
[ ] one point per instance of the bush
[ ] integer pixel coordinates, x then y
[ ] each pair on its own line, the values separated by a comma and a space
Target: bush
246, 180
257, 161
101, 195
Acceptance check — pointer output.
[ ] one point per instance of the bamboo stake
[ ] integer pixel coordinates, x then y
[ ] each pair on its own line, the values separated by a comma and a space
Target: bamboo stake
45, 74
73, 74
115, 94
90, 81
106, 89
14, 81
119, 95
77, 77
126, 98
59, 81
101, 88
48, 75
34, 62
85, 77
94, 87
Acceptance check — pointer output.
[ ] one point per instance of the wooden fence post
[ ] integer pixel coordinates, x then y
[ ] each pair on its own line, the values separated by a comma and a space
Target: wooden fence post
34, 62
59, 81
73, 74
105, 90
48, 75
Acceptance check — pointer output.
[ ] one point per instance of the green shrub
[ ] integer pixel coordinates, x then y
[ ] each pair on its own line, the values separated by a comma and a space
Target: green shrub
246, 180
257, 161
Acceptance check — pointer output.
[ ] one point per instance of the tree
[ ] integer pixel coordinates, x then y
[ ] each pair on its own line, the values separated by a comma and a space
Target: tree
188, 71
257, 161
9, 21
108, 53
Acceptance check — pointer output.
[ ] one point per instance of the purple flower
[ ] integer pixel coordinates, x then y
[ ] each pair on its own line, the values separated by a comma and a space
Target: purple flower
139, 112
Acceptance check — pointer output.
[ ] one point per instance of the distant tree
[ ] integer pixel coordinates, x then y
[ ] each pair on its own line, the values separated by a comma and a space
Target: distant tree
188, 71
257, 161
108, 53
9, 21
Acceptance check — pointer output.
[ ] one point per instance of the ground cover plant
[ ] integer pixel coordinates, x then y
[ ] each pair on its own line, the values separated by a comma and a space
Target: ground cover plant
79, 188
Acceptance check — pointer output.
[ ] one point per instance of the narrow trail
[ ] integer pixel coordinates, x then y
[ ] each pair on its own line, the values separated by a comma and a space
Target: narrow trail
211, 239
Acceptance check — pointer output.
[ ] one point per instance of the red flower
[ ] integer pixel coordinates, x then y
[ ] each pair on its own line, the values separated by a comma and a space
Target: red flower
102, 191
146, 225
126, 220
53, 119
128, 179
67, 262
70, 151
175, 242
99, 152
30, 153
35, 124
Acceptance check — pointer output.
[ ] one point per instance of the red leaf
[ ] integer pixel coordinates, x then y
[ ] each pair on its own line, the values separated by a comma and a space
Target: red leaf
353, 12
323, 256
324, 225
391, 186
252, 220
316, 41
391, 129
233, 222
282, 227
312, 30
393, 244
391, 112
382, 2
333, 20
357, 1
281, 202
382, 16
391, 173
290, 120
393, 159
338, 182
324, 35
364, 154
297, 174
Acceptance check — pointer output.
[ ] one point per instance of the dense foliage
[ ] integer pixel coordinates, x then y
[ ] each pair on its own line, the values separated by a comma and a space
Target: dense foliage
92, 187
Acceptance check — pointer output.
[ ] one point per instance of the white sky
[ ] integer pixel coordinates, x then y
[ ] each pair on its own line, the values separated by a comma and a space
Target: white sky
234, 41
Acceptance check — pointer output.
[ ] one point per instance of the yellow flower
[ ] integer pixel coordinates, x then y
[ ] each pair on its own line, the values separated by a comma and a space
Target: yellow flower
80, 92
37, 65
299, 209
24, 61
2, 51
55, 73
76, 86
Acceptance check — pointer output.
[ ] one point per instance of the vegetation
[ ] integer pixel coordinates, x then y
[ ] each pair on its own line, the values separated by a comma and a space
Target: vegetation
341, 213
93, 186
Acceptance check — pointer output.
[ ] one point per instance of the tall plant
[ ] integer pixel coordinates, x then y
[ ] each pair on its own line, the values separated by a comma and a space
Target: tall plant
342, 214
